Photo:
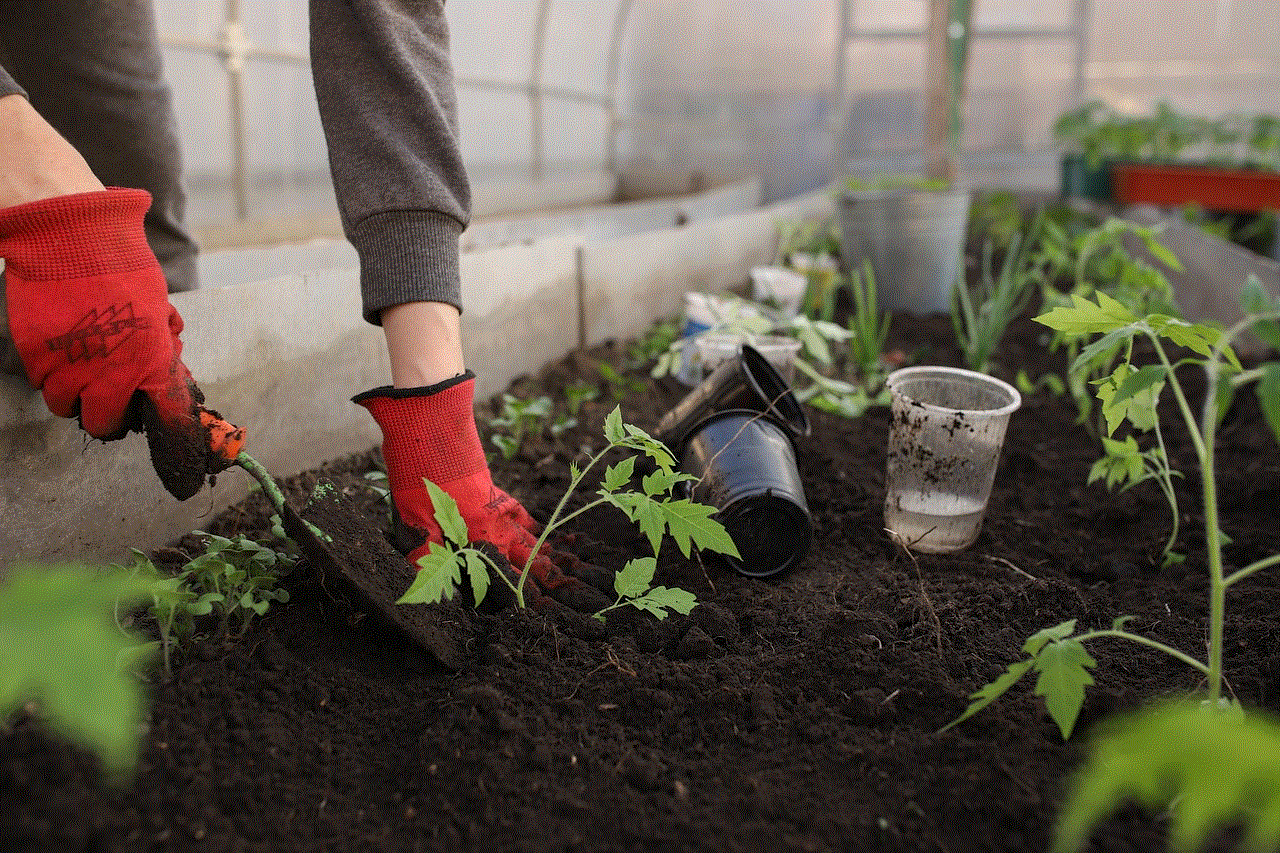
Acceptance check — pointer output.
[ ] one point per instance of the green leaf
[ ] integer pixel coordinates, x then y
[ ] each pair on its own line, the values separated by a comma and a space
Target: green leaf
1037, 640
613, 431
477, 573
59, 647
1268, 391
672, 598
661, 483
445, 510
692, 522
1196, 337
1064, 673
1210, 769
633, 580
1087, 318
439, 574
989, 693
619, 475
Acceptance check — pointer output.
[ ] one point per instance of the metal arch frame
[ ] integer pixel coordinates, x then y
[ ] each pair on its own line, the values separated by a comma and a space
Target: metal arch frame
233, 48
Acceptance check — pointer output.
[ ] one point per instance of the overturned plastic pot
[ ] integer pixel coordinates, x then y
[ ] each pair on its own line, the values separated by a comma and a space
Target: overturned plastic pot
748, 382
745, 466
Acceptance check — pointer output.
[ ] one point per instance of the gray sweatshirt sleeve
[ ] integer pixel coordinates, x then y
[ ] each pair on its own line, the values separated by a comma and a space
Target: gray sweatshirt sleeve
385, 89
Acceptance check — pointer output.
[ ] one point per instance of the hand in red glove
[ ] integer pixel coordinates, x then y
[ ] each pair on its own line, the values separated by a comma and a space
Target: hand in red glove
91, 320
431, 433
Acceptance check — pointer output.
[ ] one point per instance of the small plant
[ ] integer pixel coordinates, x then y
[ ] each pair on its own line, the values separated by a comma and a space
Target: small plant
654, 509
868, 328
61, 657
1058, 653
579, 392
239, 576
1206, 768
981, 318
519, 418
634, 586
620, 385
381, 486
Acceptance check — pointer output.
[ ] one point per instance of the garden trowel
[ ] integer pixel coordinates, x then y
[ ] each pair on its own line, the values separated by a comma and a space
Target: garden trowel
351, 553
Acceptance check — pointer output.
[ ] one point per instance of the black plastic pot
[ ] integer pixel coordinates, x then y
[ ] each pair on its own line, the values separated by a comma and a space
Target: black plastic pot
748, 382
746, 468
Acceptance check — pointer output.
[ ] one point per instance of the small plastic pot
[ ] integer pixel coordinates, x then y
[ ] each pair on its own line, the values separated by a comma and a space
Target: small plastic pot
746, 468
749, 382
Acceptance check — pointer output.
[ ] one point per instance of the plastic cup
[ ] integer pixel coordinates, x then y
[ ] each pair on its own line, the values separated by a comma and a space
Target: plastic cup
704, 312
778, 350
781, 286
945, 435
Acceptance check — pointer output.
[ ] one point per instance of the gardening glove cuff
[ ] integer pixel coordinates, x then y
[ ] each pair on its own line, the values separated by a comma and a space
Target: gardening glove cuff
429, 433
91, 321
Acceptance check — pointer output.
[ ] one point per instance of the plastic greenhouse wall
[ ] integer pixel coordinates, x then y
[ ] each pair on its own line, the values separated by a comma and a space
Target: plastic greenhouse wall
669, 96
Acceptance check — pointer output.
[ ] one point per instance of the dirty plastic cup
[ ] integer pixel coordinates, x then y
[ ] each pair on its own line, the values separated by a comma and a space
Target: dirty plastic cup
779, 350
945, 434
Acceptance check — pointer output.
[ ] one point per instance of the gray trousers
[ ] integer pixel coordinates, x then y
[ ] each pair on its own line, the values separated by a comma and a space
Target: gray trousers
384, 86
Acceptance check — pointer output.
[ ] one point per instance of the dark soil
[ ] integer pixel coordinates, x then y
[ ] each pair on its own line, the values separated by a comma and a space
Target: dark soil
798, 713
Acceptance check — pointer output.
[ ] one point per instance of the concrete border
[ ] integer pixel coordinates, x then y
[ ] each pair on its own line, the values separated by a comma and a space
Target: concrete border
279, 347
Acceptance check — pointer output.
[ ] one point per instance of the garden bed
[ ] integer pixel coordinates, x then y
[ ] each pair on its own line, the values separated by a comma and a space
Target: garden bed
794, 713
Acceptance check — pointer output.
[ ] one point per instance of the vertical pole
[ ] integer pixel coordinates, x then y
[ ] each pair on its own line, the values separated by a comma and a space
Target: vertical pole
837, 109
946, 59
232, 49
535, 90
622, 14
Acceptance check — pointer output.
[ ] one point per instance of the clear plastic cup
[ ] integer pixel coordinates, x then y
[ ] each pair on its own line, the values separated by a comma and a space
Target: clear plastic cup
945, 435
778, 350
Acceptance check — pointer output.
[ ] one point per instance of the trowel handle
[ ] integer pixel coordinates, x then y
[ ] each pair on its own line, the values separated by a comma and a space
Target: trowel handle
225, 440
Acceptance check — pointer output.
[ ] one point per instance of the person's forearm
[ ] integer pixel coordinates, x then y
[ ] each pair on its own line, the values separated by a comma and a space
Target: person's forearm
424, 343
39, 163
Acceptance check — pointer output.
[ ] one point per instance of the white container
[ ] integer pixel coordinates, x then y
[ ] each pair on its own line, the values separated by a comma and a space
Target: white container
704, 312
781, 286
945, 435
778, 350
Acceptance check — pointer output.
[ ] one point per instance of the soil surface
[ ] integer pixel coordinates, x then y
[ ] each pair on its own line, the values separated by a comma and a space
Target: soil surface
794, 713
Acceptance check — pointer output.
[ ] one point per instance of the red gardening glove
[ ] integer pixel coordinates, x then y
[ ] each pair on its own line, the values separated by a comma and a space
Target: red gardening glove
91, 320
430, 433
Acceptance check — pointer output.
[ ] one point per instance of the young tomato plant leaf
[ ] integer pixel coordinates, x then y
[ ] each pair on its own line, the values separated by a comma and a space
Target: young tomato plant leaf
988, 693
477, 574
1088, 318
439, 574
618, 476
1132, 394
59, 647
445, 510
1206, 767
1122, 462
1064, 673
632, 584
633, 579
660, 599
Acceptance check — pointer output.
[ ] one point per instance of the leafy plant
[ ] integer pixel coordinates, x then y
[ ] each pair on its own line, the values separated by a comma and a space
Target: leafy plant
239, 577
1207, 768
981, 318
61, 655
620, 384
634, 586
868, 328
519, 418
579, 392
1057, 653
654, 509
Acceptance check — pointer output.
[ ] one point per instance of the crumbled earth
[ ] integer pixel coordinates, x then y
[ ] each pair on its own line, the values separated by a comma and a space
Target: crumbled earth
795, 713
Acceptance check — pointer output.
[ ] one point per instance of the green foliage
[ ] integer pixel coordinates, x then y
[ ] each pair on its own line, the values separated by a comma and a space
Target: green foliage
997, 217
980, 318
868, 328
894, 183
634, 586
61, 655
517, 420
239, 577
620, 384
1063, 666
655, 509
1130, 394
1099, 132
1207, 768
577, 393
